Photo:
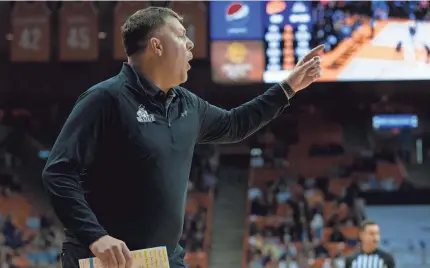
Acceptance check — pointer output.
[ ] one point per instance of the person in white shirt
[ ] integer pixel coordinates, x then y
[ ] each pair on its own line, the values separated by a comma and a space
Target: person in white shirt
317, 225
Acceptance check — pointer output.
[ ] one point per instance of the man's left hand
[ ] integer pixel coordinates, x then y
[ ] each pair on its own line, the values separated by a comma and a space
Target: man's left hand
306, 71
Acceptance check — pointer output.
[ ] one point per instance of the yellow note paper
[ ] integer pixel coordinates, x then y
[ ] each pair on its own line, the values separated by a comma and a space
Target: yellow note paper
144, 258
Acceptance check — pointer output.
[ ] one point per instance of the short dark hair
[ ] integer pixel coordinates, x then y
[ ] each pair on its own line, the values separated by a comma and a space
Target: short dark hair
366, 223
138, 27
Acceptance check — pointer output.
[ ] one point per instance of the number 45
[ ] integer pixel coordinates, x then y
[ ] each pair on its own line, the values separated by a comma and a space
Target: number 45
79, 38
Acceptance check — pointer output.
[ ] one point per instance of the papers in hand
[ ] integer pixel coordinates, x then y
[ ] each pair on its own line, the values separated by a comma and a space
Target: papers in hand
144, 258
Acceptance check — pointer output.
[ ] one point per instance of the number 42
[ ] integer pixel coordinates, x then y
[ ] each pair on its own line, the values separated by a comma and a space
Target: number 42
30, 39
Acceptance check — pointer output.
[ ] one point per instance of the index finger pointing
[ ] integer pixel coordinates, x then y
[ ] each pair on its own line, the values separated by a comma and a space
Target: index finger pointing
314, 52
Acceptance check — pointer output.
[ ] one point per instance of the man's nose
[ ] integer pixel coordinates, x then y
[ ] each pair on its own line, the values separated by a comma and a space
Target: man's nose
190, 44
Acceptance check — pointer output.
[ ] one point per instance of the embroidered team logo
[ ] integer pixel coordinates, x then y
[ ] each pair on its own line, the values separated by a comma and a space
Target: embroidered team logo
143, 116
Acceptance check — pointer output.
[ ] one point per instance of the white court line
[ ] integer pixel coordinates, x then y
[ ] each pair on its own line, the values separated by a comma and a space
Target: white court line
377, 69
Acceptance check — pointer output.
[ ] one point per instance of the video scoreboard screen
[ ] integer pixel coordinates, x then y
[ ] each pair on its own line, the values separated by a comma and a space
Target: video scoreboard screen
258, 41
255, 42
286, 37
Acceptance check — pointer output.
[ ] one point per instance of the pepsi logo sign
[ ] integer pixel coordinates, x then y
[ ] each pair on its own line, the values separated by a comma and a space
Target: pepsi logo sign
237, 12
236, 20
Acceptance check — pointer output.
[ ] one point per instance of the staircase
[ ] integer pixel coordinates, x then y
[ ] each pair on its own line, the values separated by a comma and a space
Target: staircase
229, 218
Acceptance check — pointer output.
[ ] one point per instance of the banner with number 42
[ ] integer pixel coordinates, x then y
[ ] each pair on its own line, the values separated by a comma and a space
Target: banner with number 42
31, 30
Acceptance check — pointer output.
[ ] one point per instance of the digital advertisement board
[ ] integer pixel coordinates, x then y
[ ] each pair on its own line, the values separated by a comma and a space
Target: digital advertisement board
236, 20
237, 62
287, 37
381, 41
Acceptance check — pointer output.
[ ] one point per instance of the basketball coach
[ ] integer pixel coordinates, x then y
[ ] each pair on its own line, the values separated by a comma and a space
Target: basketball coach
117, 174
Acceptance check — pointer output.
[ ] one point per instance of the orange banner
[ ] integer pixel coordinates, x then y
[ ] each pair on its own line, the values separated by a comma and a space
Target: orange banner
123, 10
78, 32
31, 29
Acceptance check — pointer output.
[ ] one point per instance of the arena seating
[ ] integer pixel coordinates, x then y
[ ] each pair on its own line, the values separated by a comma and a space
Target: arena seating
27, 238
307, 213
199, 205
197, 234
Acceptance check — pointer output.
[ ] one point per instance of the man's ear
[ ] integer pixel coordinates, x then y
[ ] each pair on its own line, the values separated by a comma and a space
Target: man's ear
155, 46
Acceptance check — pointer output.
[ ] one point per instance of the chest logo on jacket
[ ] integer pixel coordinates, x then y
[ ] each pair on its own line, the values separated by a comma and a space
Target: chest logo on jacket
143, 116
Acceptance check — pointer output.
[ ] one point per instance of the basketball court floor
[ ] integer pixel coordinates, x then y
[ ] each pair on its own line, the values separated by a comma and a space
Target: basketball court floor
365, 58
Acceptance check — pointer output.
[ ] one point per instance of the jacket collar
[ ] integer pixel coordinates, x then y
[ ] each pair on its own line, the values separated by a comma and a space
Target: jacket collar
139, 81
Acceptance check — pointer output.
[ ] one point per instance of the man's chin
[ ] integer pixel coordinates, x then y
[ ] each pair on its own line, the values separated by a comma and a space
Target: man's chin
184, 76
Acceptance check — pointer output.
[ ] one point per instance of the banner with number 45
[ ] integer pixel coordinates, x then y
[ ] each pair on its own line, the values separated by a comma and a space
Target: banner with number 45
78, 31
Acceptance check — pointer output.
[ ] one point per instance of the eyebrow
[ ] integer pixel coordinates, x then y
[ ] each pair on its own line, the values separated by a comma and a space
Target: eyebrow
178, 30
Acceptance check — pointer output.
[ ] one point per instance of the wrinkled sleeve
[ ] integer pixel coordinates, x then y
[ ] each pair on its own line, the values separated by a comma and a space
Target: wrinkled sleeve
72, 153
221, 126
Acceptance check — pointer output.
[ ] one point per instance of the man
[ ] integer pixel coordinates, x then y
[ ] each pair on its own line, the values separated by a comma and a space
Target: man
117, 174
370, 256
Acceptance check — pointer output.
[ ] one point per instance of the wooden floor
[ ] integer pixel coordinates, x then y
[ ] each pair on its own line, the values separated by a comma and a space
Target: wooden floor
381, 47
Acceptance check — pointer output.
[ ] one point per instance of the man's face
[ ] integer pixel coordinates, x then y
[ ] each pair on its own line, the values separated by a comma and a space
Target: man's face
173, 49
370, 236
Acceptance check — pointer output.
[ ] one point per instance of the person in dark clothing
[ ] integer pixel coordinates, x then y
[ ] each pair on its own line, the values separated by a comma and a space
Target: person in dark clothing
370, 256
320, 250
337, 235
117, 174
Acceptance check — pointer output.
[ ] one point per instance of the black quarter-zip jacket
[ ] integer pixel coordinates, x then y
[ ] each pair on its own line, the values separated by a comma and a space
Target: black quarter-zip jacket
121, 163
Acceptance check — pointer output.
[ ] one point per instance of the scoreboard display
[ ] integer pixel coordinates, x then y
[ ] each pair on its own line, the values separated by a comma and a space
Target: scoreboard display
250, 41
278, 30
286, 37
381, 41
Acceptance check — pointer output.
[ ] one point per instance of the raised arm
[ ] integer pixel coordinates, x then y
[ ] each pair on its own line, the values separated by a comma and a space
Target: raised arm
222, 126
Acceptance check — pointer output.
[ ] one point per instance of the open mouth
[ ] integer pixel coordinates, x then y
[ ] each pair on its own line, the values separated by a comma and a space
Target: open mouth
190, 57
